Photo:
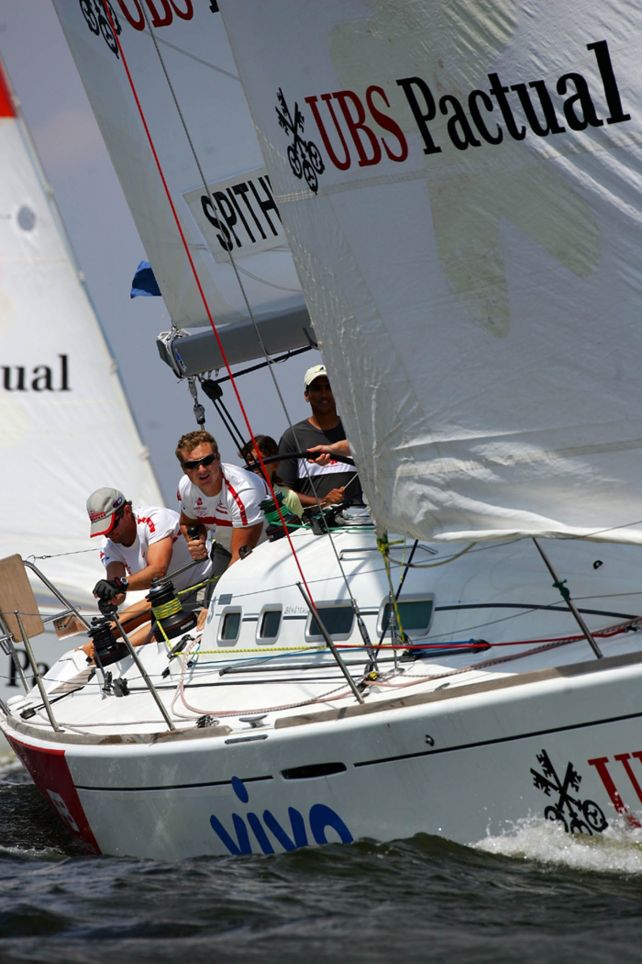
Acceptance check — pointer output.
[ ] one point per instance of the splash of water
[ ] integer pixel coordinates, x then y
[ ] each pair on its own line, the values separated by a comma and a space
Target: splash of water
617, 850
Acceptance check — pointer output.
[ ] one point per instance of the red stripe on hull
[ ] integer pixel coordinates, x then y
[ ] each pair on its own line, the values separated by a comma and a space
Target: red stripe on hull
50, 772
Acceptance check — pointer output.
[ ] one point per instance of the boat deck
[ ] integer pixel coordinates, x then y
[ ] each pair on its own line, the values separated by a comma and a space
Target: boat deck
200, 695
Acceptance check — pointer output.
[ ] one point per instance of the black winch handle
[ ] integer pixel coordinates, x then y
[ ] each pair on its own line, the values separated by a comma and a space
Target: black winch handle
302, 455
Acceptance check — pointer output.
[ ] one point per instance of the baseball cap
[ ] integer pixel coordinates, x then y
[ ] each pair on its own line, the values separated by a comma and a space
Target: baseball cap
102, 507
312, 373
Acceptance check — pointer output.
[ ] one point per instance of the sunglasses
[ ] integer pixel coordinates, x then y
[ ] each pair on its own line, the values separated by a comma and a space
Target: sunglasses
118, 518
206, 460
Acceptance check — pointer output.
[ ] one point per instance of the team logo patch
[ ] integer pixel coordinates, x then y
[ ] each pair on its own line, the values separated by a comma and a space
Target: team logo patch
304, 156
575, 815
107, 27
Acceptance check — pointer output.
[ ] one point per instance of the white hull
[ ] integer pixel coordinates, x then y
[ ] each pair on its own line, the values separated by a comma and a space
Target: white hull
206, 796
17, 675
459, 745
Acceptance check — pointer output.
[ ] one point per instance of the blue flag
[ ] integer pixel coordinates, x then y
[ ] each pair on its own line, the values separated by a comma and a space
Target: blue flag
144, 283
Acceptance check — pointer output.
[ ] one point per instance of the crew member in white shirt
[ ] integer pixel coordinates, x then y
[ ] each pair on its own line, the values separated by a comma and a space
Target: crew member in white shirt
140, 544
218, 497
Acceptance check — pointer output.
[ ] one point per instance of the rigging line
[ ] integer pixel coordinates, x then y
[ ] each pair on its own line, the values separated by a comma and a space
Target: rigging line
597, 532
440, 562
397, 594
256, 331
264, 281
216, 399
199, 60
179, 227
58, 555
291, 353
235, 267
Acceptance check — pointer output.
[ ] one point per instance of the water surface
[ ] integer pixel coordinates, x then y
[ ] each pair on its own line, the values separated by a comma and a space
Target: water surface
536, 895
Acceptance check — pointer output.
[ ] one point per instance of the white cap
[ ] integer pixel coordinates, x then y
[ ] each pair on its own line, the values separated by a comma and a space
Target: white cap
102, 508
313, 373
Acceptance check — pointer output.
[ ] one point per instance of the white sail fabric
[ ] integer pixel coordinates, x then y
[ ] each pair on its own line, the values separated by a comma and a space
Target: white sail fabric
182, 71
66, 425
471, 250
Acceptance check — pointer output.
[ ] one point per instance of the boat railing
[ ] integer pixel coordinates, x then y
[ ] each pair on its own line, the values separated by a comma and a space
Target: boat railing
20, 619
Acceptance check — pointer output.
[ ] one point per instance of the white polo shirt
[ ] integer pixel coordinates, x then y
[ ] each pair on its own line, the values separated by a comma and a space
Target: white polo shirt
236, 506
154, 523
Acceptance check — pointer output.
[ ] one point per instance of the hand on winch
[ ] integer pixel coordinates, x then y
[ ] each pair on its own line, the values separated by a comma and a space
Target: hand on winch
110, 592
334, 497
196, 542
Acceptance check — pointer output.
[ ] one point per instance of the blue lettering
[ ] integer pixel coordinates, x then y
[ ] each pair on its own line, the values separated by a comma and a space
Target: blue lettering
243, 845
239, 789
322, 817
298, 829
260, 833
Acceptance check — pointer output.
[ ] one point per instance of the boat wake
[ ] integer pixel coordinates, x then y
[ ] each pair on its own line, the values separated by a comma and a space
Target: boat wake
9, 764
617, 850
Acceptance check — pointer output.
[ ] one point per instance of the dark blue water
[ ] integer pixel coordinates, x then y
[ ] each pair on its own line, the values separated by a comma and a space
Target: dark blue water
537, 896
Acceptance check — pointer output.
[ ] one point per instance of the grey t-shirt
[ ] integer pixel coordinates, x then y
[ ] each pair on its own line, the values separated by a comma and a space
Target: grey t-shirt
309, 478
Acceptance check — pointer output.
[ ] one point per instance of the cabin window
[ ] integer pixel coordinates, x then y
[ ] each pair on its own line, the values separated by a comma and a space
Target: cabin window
230, 626
415, 614
269, 625
337, 619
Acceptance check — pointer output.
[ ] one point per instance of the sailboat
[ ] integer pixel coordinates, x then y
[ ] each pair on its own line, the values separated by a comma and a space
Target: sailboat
459, 187
67, 425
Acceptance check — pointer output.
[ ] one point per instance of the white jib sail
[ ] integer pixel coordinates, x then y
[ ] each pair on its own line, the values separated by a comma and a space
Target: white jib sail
184, 81
462, 198
66, 425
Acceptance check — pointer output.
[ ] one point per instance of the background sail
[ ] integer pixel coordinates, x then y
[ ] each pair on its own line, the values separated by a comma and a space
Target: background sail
66, 425
470, 255
195, 110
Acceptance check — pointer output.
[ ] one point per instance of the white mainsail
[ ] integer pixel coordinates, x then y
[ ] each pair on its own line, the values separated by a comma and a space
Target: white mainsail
470, 252
66, 424
164, 89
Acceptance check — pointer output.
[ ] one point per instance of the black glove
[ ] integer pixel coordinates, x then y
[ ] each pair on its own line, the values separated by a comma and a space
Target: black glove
108, 589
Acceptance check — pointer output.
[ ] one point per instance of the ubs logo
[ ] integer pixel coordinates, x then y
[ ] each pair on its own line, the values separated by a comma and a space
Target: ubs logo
304, 157
575, 815
103, 21
108, 27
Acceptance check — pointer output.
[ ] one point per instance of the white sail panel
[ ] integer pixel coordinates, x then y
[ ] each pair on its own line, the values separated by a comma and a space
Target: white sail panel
66, 425
460, 184
185, 82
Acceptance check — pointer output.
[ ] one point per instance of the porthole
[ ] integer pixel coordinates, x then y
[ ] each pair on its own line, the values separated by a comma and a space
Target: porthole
230, 627
269, 626
337, 619
415, 614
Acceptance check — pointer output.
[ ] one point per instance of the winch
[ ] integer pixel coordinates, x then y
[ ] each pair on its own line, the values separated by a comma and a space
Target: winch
168, 611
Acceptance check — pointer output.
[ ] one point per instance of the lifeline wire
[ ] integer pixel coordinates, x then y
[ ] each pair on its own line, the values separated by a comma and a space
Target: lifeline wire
206, 305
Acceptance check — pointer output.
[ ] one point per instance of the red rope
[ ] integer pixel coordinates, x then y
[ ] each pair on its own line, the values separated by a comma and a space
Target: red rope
197, 280
484, 644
